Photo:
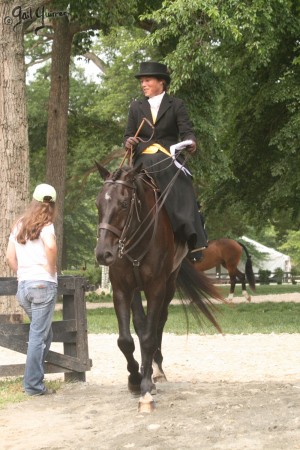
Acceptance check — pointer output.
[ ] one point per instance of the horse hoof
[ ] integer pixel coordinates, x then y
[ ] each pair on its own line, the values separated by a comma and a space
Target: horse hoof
247, 296
134, 388
146, 404
160, 379
230, 298
158, 374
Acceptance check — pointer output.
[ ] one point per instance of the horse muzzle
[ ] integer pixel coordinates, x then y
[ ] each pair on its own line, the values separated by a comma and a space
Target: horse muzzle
105, 257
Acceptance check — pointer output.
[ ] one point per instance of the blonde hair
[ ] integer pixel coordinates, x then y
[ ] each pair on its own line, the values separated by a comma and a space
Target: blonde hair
37, 215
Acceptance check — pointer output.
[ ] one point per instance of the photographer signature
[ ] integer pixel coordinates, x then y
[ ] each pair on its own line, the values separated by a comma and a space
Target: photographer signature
19, 16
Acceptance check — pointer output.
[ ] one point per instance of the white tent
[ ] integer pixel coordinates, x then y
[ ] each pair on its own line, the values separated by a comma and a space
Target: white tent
271, 258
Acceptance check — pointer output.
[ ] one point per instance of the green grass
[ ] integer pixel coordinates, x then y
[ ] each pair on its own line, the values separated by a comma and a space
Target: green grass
242, 318
11, 390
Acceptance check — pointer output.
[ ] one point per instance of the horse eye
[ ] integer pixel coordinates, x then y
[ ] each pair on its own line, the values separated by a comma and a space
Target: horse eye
124, 204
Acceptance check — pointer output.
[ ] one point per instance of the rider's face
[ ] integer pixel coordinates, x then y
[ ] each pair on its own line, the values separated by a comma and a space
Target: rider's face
151, 86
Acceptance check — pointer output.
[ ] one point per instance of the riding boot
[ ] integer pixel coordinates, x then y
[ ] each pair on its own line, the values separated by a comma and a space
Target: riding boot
196, 256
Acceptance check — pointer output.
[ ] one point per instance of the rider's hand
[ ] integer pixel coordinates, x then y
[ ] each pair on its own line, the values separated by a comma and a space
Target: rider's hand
191, 148
131, 142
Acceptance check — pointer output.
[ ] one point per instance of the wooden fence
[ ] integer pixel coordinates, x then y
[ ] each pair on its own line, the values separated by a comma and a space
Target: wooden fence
71, 331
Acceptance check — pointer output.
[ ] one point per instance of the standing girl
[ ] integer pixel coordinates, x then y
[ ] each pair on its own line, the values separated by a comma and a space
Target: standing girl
31, 254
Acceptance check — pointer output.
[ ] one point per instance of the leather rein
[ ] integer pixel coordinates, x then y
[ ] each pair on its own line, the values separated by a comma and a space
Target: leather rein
158, 204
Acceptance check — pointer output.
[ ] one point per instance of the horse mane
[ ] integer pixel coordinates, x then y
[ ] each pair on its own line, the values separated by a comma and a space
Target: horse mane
138, 176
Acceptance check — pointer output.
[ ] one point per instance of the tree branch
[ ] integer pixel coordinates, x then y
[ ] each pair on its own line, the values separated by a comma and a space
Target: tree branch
96, 60
38, 61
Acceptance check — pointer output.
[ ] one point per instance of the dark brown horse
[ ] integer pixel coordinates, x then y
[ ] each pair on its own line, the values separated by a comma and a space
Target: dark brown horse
136, 241
228, 252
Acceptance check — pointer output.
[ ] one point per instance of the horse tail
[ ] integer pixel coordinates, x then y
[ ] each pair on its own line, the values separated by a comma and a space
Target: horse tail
197, 290
248, 268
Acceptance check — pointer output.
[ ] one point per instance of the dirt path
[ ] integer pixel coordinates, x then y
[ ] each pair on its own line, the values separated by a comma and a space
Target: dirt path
237, 392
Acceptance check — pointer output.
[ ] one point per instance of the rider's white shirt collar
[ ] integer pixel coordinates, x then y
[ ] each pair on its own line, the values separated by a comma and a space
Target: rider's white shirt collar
156, 101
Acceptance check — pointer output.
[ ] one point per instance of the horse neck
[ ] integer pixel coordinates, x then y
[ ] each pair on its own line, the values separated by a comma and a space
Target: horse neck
147, 199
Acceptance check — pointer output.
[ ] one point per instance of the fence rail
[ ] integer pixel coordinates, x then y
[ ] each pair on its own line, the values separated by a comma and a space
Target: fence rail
262, 278
71, 331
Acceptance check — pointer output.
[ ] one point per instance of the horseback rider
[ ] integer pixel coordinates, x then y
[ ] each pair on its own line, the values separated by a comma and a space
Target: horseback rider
165, 122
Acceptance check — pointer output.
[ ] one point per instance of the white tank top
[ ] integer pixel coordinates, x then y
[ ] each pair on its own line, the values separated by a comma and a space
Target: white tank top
32, 256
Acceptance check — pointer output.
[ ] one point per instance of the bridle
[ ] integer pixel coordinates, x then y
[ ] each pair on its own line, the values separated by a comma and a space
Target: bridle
133, 205
126, 244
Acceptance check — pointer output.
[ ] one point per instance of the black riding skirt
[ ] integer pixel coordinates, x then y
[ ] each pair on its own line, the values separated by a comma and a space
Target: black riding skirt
181, 202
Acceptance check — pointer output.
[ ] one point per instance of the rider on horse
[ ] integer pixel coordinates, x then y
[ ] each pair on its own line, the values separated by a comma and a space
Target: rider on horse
165, 122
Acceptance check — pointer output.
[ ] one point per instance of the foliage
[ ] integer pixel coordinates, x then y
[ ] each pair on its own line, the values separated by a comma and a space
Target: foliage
264, 276
292, 247
278, 275
90, 139
91, 274
253, 51
236, 66
121, 52
92, 297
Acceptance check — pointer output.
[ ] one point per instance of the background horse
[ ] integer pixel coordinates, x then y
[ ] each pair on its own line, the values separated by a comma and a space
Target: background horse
227, 253
136, 241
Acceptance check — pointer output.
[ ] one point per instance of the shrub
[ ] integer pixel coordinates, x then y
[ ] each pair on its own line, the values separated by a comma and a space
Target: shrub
264, 276
294, 273
278, 273
92, 274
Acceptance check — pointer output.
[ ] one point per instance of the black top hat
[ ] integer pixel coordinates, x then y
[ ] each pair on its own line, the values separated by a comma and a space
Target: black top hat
154, 69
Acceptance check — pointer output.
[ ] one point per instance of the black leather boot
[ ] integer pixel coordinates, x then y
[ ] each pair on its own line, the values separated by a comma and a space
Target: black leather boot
196, 256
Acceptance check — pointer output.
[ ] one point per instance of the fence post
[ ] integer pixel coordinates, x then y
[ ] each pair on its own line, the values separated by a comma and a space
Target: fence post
105, 282
74, 307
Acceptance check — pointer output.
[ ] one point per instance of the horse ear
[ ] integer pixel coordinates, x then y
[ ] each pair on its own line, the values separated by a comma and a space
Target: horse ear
103, 172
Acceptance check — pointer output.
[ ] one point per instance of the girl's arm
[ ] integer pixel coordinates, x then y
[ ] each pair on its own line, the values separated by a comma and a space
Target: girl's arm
11, 256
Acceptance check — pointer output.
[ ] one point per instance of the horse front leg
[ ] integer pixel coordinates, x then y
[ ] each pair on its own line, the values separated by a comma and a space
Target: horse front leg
149, 345
126, 342
138, 313
158, 372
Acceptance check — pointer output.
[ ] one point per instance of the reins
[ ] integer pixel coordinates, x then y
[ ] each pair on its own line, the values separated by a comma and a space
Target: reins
122, 235
158, 204
130, 157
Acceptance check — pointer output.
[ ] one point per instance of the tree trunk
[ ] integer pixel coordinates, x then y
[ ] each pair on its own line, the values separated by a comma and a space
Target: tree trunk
57, 133
14, 147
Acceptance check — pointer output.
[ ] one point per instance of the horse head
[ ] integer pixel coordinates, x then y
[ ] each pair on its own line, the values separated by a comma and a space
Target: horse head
116, 203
